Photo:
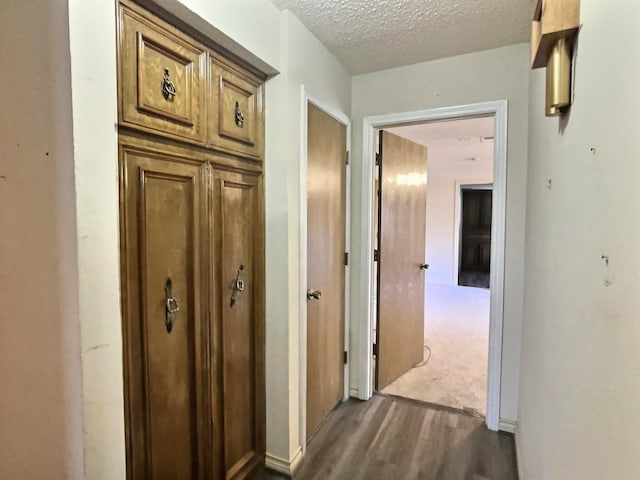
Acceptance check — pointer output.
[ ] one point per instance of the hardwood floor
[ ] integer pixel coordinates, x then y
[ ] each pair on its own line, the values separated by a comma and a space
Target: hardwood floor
391, 438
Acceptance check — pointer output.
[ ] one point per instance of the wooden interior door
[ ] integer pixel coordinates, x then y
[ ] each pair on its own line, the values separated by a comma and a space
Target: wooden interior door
238, 332
163, 325
326, 197
401, 234
475, 238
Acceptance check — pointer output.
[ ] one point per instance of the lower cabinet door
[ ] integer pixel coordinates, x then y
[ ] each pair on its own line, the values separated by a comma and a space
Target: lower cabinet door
164, 331
238, 326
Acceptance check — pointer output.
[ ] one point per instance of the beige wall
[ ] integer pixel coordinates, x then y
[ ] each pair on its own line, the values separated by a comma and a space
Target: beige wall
579, 391
484, 76
40, 376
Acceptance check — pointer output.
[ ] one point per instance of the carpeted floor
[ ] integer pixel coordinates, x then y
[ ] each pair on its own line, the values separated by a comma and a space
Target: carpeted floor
457, 331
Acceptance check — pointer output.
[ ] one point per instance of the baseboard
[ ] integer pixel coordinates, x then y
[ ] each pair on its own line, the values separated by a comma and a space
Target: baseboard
518, 457
283, 466
354, 393
507, 426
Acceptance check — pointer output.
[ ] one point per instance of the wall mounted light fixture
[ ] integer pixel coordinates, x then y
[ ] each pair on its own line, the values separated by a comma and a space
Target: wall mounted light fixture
553, 30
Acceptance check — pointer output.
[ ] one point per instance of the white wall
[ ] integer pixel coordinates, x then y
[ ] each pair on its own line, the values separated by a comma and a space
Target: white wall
40, 376
276, 38
484, 76
579, 392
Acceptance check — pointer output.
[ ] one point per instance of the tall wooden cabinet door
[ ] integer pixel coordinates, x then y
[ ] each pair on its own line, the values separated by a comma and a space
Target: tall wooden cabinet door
238, 337
165, 334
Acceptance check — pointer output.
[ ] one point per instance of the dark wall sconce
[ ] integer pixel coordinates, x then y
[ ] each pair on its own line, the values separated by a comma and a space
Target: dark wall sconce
554, 27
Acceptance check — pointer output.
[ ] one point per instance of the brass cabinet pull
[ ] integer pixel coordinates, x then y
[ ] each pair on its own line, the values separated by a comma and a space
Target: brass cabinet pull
239, 117
171, 305
313, 294
238, 285
168, 87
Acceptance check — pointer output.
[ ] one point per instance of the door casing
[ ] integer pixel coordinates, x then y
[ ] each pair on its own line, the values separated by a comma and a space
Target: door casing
307, 97
498, 109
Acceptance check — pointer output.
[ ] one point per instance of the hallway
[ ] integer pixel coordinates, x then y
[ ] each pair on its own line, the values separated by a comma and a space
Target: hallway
393, 438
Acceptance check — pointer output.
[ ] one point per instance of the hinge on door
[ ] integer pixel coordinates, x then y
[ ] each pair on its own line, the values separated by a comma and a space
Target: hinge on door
346, 357
346, 258
378, 159
375, 349
347, 158
376, 255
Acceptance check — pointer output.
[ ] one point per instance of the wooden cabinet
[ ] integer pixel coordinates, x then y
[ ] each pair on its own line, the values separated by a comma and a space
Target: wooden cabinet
161, 78
236, 115
238, 341
192, 253
162, 210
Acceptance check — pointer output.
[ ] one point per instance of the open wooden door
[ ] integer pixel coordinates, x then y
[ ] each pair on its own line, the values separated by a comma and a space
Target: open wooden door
401, 245
326, 200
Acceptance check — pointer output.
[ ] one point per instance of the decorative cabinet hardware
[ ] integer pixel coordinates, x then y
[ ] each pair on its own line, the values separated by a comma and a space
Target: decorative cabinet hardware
313, 294
168, 87
238, 285
239, 117
424, 266
171, 305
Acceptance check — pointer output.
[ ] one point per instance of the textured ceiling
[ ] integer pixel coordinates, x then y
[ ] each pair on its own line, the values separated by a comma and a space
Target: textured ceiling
372, 35
467, 142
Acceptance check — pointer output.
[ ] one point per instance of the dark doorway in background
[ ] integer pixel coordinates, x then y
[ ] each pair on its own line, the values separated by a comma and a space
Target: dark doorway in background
475, 236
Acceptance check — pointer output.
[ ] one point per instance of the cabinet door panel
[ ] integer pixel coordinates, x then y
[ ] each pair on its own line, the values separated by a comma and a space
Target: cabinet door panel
161, 212
162, 77
239, 327
235, 111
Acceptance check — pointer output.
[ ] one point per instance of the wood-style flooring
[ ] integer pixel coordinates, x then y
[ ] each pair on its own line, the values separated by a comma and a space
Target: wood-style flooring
392, 438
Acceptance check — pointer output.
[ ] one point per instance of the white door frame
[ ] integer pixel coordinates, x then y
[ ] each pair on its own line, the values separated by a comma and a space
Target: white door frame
457, 218
305, 98
499, 109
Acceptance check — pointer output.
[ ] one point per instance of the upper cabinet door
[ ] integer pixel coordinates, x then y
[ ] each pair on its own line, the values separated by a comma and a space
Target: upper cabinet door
236, 115
162, 77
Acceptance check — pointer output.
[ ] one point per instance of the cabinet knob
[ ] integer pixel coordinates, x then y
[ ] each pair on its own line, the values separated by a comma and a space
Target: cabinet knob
171, 305
239, 117
168, 87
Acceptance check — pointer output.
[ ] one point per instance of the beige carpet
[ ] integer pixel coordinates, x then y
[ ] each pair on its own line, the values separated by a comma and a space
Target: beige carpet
457, 331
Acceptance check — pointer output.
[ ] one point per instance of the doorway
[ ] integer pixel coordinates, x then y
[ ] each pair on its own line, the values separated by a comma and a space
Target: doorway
452, 369
498, 110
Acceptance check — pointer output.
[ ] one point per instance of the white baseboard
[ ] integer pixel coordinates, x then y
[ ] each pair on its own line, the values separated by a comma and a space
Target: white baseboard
354, 393
507, 426
280, 465
518, 455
